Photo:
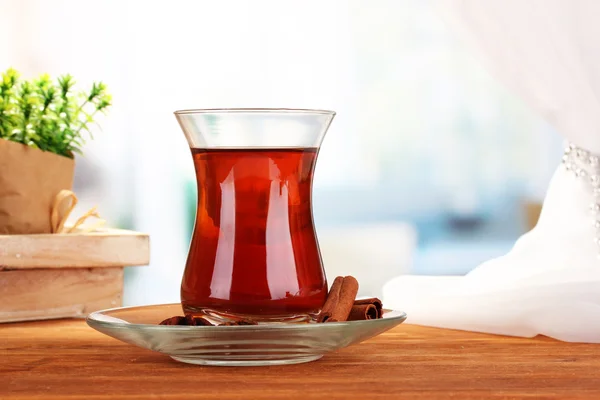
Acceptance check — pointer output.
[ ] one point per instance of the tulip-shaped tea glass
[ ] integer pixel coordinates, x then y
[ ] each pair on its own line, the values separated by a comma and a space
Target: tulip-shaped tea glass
254, 251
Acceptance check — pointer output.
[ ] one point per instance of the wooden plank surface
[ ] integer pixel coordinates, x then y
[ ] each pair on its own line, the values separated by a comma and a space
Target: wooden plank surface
58, 293
104, 248
66, 359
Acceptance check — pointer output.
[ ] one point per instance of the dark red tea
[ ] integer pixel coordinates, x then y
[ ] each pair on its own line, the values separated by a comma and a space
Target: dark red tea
254, 249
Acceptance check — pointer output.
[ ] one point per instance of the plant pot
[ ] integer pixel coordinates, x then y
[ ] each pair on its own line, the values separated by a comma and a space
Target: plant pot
30, 179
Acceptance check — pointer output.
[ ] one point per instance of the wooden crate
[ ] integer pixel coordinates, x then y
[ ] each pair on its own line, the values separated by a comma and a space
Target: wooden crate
66, 275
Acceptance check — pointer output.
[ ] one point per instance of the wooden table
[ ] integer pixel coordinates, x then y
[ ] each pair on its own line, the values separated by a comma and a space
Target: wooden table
66, 359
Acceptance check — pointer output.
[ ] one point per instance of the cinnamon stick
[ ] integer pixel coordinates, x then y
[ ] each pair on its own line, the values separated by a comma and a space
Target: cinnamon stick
332, 300
362, 312
340, 300
177, 320
188, 320
375, 302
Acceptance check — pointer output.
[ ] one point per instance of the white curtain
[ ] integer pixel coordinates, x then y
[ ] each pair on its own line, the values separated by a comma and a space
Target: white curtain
548, 52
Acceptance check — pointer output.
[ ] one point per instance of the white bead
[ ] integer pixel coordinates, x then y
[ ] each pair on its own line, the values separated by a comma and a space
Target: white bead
577, 160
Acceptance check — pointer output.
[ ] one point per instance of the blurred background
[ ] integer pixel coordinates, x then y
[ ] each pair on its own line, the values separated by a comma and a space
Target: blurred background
430, 166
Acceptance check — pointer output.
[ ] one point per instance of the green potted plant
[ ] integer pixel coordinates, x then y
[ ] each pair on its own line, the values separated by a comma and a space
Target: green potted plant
43, 123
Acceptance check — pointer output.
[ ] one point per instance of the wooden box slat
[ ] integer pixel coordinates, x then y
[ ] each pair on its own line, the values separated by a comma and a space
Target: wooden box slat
105, 248
55, 293
66, 275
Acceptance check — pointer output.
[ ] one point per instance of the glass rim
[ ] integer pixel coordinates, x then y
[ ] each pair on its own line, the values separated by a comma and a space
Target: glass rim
254, 111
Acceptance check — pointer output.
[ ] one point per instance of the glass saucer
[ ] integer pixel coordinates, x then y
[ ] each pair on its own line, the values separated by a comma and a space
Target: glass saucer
247, 345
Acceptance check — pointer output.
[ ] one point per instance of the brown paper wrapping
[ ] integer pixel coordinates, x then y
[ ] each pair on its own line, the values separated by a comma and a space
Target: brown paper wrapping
30, 179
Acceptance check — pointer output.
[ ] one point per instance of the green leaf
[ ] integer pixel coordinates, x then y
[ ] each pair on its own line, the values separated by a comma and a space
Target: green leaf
48, 114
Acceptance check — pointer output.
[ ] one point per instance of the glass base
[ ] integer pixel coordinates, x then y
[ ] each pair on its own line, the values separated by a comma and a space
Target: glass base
251, 361
221, 317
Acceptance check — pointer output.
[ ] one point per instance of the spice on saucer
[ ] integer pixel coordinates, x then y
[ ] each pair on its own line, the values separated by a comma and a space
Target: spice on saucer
342, 306
177, 320
370, 308
340, 300
362, 312
187, 321
199, 321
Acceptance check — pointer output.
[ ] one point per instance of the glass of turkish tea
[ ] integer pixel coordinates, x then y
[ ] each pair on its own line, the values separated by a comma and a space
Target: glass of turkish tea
254, 252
